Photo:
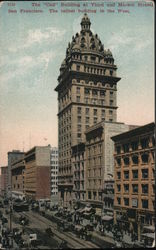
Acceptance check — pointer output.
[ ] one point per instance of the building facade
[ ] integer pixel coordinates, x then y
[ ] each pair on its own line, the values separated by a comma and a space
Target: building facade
79, 172
18, 179
37, 173
99, 158
13, 156
4, 180
54, 173
134, 201
108, 197
87, 87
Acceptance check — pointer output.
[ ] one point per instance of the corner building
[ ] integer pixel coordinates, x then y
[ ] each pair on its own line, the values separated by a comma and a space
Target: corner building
87, 87
134, 201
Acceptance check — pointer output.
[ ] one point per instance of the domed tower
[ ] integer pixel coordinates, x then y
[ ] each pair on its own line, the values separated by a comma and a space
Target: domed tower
87, 87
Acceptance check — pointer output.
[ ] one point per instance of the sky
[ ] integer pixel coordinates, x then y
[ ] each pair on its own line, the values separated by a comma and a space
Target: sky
32, 48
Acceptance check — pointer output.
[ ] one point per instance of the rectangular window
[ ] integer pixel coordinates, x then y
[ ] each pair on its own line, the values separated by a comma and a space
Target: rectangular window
79, 119
144, 203
94, 101
95, 111
87, 91
118, 200
87, 111
135, 174
94, 92
134, 145
118, 187
134, 203
135, 188
118, 161
86, 100
144, 188
126, 148
144, 173
126, 201
102, 112
118, 175
126, 174
79, 135
126, 188
79, 128
111, 102
118, 149
89, 195
144, 143
93, 58
78, 90
110, 112
79, 110
78, 67
102, 93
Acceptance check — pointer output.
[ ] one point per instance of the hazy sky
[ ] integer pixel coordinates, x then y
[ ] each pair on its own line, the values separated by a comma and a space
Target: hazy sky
32, 48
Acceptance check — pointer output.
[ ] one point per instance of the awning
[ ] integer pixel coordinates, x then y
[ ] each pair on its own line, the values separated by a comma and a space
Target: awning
107, 218
150, 228
149, 235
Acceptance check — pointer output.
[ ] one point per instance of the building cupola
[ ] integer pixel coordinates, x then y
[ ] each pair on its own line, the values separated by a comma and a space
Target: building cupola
85, 23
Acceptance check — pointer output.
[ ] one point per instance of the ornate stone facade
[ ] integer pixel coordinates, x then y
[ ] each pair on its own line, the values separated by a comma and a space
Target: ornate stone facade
87, 87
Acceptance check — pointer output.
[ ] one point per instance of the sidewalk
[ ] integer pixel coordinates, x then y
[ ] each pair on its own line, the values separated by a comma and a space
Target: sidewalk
102, 241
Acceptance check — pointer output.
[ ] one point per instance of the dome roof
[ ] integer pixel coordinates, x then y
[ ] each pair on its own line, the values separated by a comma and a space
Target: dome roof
86, 42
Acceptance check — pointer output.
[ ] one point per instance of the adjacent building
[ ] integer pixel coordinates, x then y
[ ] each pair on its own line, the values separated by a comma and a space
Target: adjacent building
13, 156
37, 173
4, 180
18, 178
54, 173
79, 172
99, 158
134, 201
87, 89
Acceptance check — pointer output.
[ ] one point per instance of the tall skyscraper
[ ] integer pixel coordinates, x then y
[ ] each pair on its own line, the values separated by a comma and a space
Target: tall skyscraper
86, 95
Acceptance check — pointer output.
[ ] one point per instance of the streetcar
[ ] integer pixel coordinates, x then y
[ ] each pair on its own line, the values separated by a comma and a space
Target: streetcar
21, 207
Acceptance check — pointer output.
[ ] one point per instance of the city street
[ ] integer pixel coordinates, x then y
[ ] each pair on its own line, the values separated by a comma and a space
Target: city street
38, 225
